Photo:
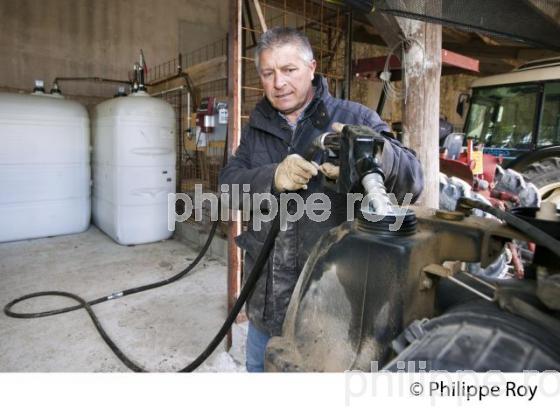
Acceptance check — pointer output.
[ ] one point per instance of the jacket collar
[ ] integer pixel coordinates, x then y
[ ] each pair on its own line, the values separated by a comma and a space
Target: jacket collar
266, 118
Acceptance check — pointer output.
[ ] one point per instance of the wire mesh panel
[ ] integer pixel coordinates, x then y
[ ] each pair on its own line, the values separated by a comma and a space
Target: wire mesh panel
171, 67
197, 168
322, 22
201, 166
195, 164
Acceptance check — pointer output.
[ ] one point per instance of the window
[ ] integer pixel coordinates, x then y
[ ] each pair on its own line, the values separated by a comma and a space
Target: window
549, 129
503, 116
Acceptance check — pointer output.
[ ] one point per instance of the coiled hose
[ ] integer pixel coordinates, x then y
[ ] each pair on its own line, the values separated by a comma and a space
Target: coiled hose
87, 305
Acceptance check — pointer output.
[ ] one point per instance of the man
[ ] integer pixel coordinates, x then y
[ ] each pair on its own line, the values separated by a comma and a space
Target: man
297, 108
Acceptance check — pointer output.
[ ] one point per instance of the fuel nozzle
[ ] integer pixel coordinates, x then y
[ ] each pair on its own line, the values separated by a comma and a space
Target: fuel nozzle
368, 158
361, 170
359, 151
376, 193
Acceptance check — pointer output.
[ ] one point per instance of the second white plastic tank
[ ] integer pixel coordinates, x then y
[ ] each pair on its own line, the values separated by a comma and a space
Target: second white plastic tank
133, 163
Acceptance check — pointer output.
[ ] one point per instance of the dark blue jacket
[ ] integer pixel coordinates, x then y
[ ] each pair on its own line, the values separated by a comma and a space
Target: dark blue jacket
265, 142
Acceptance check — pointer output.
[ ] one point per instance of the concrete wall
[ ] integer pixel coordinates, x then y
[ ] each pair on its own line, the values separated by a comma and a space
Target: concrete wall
42, 39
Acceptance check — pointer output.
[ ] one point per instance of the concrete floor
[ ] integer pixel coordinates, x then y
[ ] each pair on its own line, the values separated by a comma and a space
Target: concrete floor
161, 330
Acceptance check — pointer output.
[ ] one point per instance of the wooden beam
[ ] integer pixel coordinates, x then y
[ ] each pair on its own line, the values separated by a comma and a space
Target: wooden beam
260, 15
448, 70
452, 59
208, 71
448, 58
453, 35
347, 56
481, 51
247, 13
495, 67
375, 64
175, 82
234, 136
396, 74
172, 83
335, 47
536, 54
488, 40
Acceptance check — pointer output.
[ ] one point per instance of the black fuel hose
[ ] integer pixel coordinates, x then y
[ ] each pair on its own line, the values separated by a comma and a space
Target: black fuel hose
243, 295
83, 304
116, 295
535, 234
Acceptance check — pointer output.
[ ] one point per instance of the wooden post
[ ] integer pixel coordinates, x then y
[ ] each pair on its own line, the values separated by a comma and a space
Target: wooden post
348, 56
421, 107
260, 15
234, 135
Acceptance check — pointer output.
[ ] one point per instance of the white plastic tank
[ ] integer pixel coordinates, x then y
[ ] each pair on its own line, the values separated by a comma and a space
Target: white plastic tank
44, 166
133, 167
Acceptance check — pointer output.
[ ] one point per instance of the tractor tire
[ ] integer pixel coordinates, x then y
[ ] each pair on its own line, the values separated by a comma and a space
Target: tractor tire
545, 174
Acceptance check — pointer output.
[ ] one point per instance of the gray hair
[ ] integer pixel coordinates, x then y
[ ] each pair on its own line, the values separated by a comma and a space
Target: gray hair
280, 36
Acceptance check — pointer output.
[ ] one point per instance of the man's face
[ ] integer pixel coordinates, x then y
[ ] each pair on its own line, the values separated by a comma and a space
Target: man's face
286, 78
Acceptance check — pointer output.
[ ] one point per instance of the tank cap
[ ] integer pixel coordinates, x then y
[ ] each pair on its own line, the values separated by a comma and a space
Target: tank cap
55, 89
400, 223
120, 92
39, 86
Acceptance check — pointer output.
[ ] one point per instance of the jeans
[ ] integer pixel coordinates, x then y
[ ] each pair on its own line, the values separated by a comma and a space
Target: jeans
256, 346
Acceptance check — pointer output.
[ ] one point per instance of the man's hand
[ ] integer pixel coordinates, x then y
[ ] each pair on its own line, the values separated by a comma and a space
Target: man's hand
331, 171
293, 173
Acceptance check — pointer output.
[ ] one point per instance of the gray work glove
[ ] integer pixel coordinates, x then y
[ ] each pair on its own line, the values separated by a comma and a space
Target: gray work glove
293, 173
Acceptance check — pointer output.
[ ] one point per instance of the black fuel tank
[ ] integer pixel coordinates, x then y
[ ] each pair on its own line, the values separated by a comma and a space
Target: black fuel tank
361, 285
